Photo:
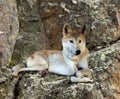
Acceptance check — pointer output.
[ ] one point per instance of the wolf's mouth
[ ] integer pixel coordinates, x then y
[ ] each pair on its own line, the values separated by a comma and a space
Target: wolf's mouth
75, 58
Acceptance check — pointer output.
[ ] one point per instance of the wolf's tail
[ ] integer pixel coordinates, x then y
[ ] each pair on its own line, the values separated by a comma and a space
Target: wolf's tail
17, 67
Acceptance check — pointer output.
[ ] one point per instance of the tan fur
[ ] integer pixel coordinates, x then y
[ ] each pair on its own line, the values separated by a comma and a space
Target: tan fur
83, 76
63, 62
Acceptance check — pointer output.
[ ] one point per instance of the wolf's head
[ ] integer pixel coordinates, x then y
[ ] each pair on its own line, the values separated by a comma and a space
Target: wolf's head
73, 41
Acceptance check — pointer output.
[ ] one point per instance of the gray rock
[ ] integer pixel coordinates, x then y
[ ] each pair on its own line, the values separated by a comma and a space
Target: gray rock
9, 28
105, 64
41, 23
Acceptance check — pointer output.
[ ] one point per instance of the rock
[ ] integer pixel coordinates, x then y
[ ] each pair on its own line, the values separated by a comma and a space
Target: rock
29, 39
106, 67
44, 21
101, 17
105, 64
9, 27
41, 23
49, 16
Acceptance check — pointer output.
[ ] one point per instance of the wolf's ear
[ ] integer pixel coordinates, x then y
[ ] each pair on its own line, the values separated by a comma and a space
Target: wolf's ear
66, 29
83, 30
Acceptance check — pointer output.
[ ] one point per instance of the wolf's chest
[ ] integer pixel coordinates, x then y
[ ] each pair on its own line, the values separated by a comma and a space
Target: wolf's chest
71, 64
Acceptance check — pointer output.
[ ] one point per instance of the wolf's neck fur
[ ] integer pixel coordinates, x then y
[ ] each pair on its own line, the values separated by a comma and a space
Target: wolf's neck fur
69, 62
68, 57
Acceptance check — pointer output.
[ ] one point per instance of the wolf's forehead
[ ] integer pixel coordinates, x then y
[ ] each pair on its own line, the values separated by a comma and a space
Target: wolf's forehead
75, 34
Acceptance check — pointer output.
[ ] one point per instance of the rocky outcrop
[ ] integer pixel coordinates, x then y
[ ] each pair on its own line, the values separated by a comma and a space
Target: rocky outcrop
105, 64
106, 67
41, 23
101, 18
30, 37
8, 30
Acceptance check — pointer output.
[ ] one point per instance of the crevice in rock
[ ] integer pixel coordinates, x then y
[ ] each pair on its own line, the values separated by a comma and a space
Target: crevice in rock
93, 48
16, 89
112, 42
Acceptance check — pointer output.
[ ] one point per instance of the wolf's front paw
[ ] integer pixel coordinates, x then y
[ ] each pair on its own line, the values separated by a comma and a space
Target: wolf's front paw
82, 80
73, 79
86, 79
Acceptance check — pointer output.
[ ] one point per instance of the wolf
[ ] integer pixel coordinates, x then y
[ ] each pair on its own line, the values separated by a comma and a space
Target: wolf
67, 61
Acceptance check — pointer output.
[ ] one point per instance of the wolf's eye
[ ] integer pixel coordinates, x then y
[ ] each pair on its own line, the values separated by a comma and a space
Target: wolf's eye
71, 41
79, 41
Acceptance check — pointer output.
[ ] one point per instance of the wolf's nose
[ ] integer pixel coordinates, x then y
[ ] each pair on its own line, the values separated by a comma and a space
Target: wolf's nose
78, 52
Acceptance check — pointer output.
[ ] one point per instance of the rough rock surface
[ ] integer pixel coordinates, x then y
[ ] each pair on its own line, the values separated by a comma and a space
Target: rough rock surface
41, 23
106, 66
101, 17
29, 39
31, 85
8, 30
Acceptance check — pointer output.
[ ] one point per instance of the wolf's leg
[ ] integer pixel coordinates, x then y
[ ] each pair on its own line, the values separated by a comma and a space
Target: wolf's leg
83, 63
80, 77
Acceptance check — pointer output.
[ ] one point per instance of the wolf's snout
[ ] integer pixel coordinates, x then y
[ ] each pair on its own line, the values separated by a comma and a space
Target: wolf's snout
78, 52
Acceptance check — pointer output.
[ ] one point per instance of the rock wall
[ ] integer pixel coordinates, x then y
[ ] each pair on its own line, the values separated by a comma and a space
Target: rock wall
41, 23
31, 85
106, 66
9, 28
30, 35
101, 17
